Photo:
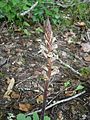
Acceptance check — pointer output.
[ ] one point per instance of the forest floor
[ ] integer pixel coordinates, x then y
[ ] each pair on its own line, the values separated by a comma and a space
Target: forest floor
21, 69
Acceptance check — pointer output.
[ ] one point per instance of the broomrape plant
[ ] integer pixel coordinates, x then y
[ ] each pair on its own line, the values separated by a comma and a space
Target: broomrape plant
48, 48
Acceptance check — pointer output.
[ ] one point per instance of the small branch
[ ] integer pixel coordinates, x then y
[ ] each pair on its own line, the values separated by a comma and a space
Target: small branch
59, 102
68, 66
57, 94
32, 7
59, 4
27, 79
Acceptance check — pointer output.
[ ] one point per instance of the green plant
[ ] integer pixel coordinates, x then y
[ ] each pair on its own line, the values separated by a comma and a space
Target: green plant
67, 83
79, 87
60, 14
85, 71
79, 11
2, 74
33, 117
12, 8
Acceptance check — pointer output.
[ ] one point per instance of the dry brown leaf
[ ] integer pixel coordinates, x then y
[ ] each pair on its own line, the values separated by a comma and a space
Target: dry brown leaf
60, 116
87, 58
85, 47
9, 89
40, 99
80, 24
69, 93
15, 95
25, 107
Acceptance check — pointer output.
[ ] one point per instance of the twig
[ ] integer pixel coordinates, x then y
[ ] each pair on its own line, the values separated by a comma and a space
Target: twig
58, 102
59, 4
29, 78
53, 98
33, 6
68, 66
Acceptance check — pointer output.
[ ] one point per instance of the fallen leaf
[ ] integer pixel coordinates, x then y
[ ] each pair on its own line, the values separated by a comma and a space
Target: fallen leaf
40, 99
69, 93
87, 58
15, 95
80, 24
60, 116
29, 43
85, 47
79, 87
9, 89
25, 107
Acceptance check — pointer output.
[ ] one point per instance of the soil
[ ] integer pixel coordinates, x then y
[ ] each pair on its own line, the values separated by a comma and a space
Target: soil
20, 60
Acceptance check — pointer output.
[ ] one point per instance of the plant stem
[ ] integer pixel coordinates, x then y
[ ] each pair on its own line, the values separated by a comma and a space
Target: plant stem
45, 98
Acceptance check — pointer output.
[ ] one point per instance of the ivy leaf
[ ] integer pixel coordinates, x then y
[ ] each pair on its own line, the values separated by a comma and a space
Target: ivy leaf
35, 116
21, 117
79, 87
15, 2
46, 118
26, 32
28, 118
26, 24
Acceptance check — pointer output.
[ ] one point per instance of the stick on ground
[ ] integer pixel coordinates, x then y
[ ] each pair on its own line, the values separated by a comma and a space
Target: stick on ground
59, 102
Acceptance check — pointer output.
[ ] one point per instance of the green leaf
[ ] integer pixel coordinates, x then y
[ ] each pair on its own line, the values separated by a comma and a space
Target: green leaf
79, 87
2, 4
57, 16
46, 118
66, 84
26, 32
26, 24
85, 71
35, 116
28, 118
15, 2
39, 30
2, 74
25, 7
21, 117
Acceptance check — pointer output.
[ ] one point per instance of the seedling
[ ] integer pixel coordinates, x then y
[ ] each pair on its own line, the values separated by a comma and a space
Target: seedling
79, 87
85, 71
67, 83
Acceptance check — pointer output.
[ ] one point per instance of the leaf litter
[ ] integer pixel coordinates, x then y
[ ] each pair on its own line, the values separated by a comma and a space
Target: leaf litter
24, 70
